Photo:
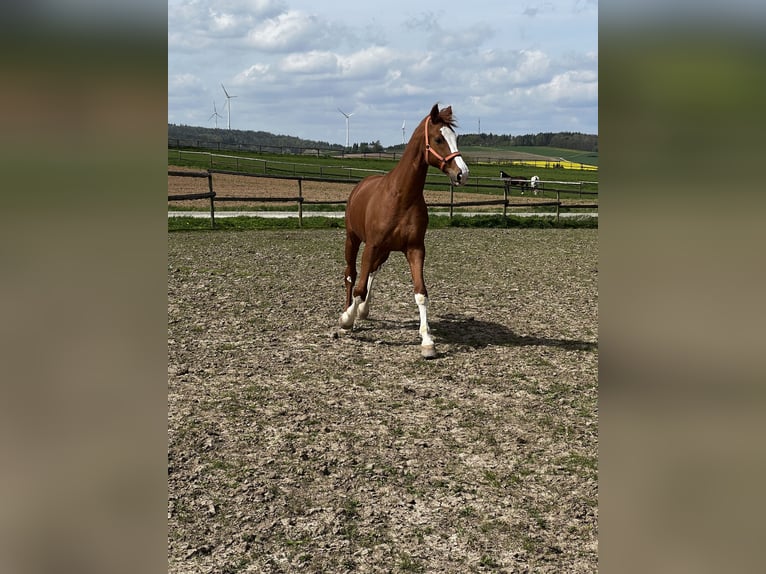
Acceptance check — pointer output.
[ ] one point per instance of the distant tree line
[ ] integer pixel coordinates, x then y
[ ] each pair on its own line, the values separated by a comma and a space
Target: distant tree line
243, 138
253, 139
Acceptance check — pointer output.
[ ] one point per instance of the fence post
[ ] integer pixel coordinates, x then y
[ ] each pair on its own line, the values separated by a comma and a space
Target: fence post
212, 198
300, 202
451, 198
558, 204
505, 198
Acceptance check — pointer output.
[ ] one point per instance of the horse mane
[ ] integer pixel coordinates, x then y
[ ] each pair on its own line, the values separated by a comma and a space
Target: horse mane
446, 117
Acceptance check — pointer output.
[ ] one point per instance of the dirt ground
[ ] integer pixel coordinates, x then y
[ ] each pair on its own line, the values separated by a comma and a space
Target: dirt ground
292, 449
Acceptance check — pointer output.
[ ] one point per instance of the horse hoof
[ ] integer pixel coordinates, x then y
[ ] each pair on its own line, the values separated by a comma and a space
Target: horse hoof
428, 352
345, 322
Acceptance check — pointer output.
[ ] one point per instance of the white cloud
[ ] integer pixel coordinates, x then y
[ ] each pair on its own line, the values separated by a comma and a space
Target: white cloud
522, 68
288, 31
256, 72
571, 89
374, 61
532, 65
184, 82
313, 62
575, 87
201, 21
223, 22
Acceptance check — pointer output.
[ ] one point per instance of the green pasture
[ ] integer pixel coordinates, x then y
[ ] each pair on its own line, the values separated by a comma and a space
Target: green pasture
357, 168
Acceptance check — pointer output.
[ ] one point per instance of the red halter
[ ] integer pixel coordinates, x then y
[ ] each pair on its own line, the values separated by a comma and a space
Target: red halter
443, 160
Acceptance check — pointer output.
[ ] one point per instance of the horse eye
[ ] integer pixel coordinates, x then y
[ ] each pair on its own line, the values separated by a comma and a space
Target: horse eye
439, 140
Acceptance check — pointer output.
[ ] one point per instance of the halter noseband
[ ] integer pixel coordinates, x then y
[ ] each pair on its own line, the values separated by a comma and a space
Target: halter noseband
443, 160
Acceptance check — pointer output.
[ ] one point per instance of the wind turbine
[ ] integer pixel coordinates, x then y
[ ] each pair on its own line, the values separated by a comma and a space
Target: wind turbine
215, 115
347, 116
403, 122
228, 103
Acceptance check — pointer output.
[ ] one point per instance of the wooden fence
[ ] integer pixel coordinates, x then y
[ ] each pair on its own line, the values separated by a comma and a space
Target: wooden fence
301, 201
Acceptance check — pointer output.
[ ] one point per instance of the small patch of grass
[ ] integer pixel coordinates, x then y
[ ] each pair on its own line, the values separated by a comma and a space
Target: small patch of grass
504, 222
409, 564
176, 224
244, 223
351, 508
539, 519
421, 533
579, 464
492, 478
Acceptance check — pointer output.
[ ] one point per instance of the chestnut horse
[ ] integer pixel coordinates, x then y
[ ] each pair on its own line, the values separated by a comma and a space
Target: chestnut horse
388, 213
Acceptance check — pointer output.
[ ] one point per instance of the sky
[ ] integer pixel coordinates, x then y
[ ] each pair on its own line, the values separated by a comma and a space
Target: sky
505, 66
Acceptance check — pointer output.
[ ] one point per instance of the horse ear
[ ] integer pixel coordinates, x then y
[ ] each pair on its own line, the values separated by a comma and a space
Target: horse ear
435, 114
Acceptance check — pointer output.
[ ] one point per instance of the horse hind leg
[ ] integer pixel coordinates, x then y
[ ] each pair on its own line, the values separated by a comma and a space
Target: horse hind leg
358, 308
375, 265
364, 306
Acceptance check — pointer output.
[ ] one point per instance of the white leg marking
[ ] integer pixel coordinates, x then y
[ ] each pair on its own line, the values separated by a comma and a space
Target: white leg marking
349, 315
364, 306
427, 344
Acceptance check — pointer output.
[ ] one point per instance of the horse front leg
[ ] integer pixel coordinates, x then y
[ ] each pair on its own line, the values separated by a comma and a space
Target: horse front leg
352, 249
416, 259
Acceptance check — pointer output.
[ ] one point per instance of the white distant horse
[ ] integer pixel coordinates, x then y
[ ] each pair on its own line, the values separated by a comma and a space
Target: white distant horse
533, 183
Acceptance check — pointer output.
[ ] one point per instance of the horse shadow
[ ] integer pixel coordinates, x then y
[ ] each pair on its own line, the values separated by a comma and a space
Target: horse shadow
465, 331
477, 333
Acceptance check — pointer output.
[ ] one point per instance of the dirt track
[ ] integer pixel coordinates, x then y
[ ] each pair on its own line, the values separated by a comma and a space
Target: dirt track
290, 450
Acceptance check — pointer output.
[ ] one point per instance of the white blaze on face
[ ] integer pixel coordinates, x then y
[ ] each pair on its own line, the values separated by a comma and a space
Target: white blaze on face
451, 138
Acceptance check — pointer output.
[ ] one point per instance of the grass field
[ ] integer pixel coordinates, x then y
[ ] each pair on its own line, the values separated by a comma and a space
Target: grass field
533, 153
357, 167
292, 449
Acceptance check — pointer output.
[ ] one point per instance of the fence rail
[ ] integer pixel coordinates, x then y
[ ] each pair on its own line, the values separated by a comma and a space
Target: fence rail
301, 201
210, 194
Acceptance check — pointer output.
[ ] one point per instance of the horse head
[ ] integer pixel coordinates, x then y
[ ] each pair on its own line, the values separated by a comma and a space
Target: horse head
441, 145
